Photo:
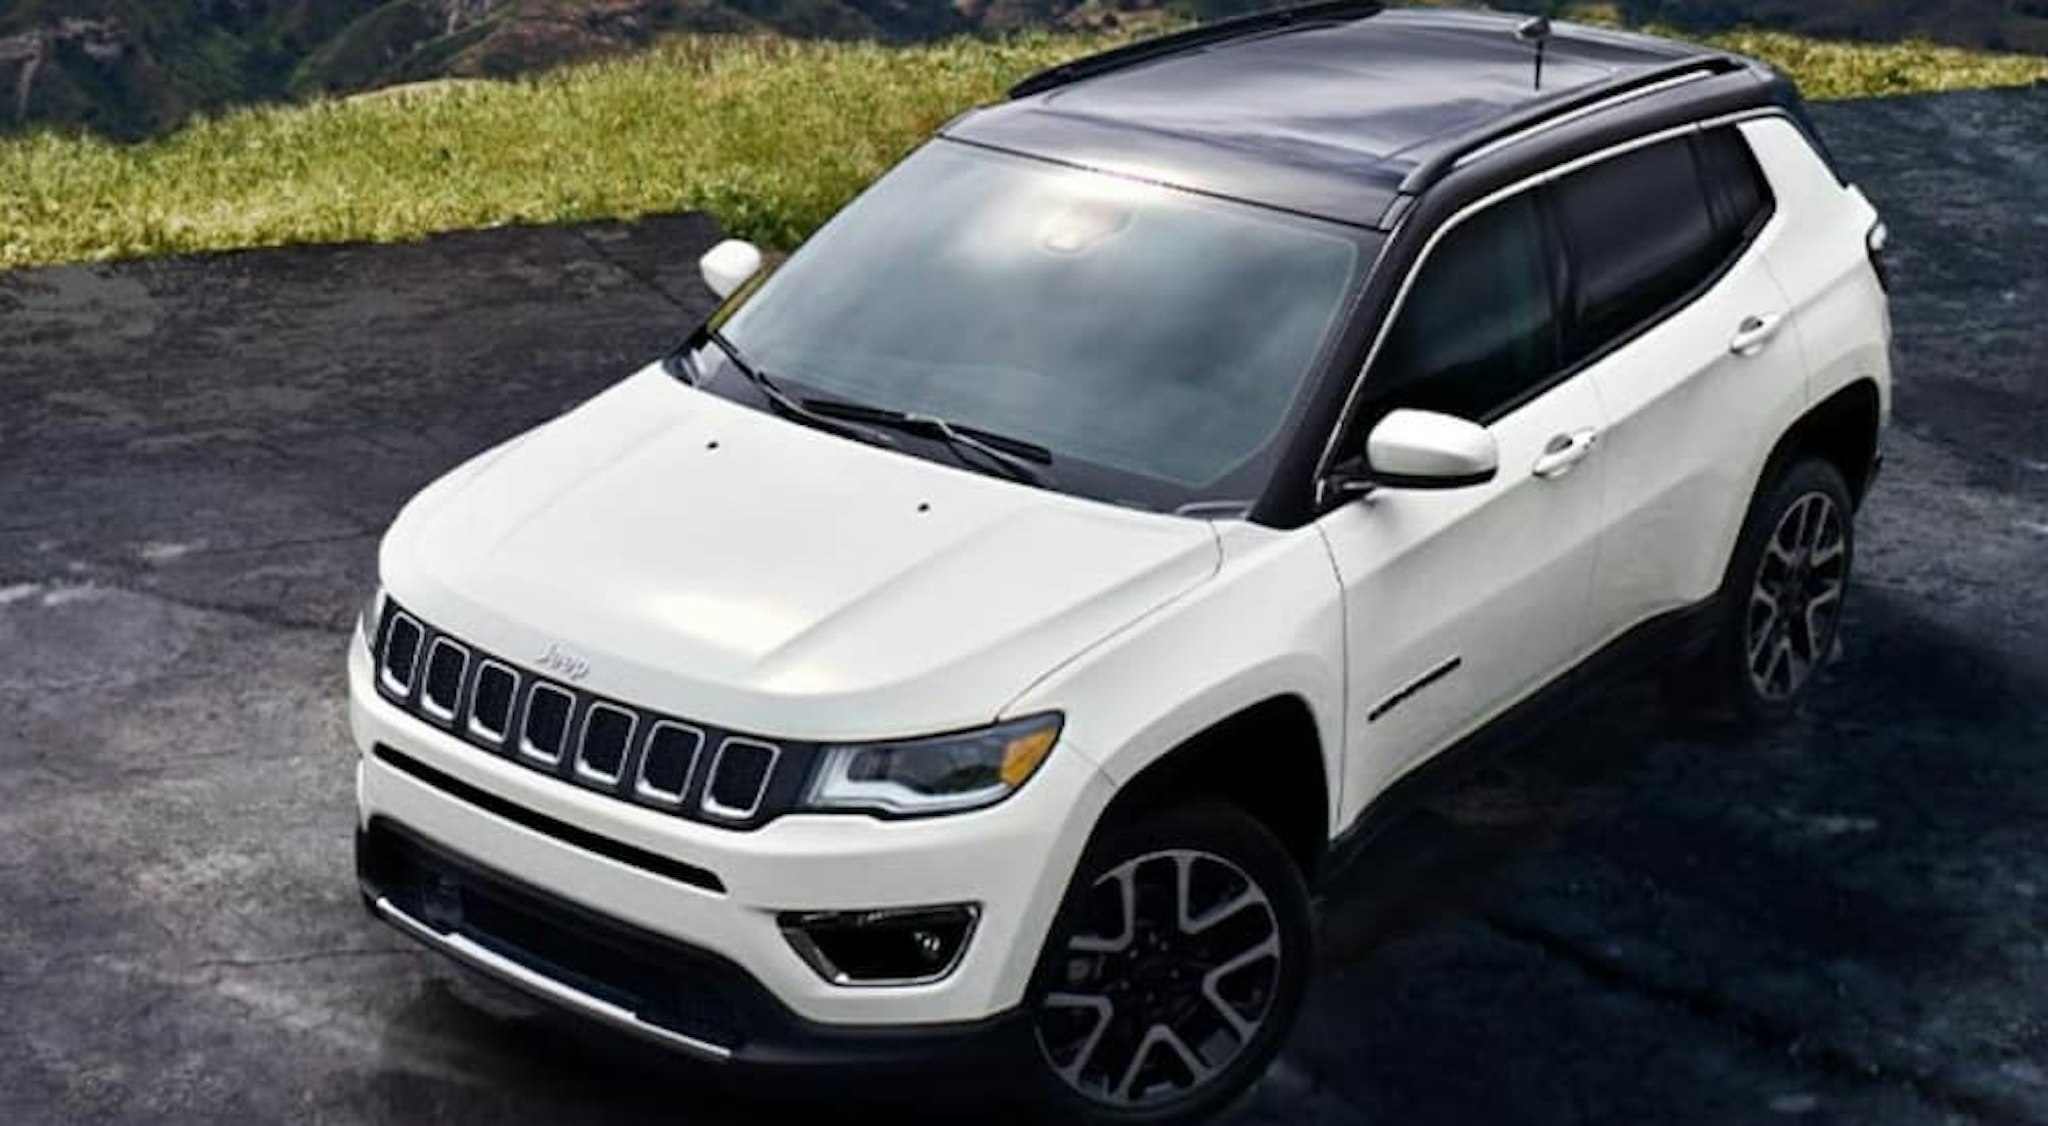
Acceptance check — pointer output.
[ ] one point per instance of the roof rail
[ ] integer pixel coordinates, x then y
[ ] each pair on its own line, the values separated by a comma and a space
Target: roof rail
1440, 162
1173, 43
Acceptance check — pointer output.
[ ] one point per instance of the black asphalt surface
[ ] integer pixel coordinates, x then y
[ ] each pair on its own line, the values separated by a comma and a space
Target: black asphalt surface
1636, 921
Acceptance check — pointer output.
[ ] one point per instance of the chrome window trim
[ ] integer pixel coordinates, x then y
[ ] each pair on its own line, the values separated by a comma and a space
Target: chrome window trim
527, 748
1320, 491
480, 730
391, 683
715, 808
581, 768
427, 704
656, 794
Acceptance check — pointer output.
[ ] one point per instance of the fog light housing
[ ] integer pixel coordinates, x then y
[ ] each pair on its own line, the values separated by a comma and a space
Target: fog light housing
895, 946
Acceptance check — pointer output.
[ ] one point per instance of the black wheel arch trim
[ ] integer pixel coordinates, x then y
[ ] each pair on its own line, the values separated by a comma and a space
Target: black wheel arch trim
1190, 770
1670, 636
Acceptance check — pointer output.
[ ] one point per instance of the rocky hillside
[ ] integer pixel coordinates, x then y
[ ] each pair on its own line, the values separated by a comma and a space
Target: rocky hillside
1999, 25
131, 68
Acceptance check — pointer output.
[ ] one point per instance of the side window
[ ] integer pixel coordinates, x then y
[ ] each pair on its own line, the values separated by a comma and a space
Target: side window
1736, 188
1478, 327
1640, 235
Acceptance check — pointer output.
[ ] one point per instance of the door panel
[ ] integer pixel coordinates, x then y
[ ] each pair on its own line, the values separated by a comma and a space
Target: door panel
1690, 421
1675, 237
1459, 602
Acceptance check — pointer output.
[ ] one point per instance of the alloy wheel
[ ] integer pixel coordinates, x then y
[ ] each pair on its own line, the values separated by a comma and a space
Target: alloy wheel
1169, 973
1796, 601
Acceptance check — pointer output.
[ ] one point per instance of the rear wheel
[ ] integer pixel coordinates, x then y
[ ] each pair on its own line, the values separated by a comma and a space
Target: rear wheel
1174, 970
1784, 593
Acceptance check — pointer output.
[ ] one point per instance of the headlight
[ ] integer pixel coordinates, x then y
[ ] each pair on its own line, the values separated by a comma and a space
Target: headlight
945, 774
371, 614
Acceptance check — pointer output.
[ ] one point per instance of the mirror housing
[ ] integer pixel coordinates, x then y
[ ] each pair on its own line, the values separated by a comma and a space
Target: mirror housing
1411, 449
727, 266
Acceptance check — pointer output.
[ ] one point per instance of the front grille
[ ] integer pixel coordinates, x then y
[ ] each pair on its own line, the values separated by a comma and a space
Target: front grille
689, 769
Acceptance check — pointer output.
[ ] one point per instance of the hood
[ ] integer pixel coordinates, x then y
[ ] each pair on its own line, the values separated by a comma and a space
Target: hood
724, 565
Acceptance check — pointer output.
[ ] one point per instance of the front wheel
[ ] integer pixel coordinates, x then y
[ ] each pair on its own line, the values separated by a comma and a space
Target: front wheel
1174, 970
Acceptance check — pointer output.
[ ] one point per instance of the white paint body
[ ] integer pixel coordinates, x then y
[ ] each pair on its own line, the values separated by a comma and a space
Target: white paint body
717, 562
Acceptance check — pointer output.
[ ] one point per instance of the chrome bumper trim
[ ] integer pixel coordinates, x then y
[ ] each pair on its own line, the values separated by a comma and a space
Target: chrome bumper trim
488, 961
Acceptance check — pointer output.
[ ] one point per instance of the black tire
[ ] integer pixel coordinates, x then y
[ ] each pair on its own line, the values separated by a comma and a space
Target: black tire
1114, 1066
1783, 595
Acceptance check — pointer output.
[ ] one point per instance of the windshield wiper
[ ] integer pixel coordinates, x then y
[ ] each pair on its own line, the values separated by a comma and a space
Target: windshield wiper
788, 405
1017, 458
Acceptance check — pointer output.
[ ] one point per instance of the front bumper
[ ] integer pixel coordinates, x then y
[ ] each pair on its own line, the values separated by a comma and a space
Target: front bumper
717, 892
668, 993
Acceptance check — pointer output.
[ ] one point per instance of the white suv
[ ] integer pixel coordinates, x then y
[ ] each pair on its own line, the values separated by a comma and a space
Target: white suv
976, 641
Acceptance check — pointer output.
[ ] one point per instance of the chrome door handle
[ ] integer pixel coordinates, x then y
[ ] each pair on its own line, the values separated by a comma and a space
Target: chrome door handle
1755, 332
1564, 451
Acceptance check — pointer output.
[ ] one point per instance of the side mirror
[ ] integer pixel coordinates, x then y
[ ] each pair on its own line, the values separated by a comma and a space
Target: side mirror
1412, 449
727, 266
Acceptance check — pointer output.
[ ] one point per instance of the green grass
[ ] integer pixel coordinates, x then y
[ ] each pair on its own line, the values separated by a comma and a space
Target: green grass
769, 135
1827, 69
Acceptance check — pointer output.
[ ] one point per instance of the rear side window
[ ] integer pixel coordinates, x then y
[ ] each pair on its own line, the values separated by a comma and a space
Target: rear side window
1477, 331
1641, 236
1736, 190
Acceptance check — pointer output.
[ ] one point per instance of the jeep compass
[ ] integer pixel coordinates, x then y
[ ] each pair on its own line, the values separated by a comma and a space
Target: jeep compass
976, 641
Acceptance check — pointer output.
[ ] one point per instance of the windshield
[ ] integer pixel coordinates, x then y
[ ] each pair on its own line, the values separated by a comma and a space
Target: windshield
1152, 340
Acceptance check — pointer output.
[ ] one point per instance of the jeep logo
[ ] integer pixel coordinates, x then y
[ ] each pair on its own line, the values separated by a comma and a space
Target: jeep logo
563, 663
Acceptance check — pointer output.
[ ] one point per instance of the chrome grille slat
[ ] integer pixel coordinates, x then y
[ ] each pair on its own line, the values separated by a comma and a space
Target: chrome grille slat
650, 789
738, 811
597, 711
481, 726
634, 754
544, 693
404, 635
429, 701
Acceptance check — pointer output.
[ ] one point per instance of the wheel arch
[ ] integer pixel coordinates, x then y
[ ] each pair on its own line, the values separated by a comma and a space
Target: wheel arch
1843, 429
1286, 788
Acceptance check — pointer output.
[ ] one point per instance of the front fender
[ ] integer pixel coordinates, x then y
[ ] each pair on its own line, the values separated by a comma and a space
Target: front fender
1270, 624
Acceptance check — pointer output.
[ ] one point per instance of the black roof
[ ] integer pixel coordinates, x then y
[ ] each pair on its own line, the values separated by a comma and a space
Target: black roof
1336, 111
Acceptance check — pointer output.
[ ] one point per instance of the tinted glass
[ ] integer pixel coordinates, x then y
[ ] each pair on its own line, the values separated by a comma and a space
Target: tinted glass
1640, 236
1142, 331
1477, 330
1735, 186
